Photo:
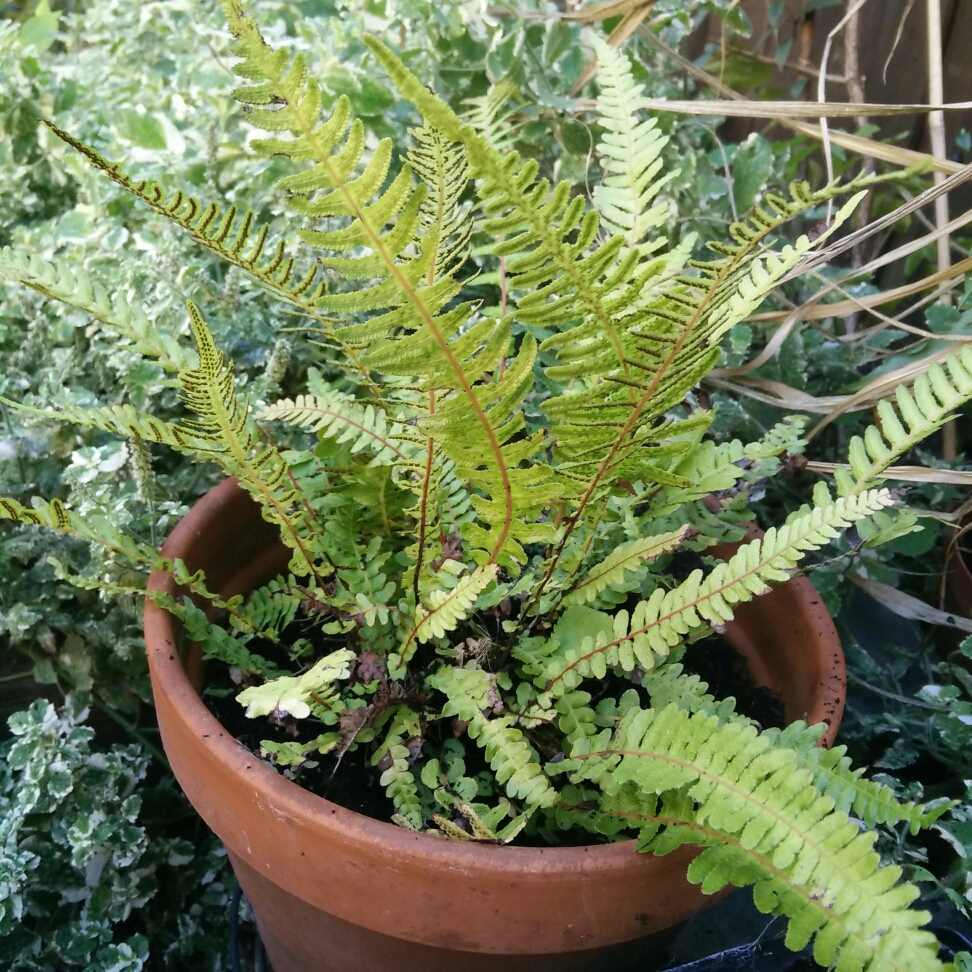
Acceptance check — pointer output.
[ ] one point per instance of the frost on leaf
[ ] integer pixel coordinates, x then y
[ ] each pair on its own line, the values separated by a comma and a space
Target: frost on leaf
291, 694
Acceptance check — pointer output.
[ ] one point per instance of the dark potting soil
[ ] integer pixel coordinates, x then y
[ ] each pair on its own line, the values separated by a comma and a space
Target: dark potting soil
715, 661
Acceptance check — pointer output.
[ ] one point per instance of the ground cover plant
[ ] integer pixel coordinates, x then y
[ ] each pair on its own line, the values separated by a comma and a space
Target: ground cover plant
563, 151
466, 478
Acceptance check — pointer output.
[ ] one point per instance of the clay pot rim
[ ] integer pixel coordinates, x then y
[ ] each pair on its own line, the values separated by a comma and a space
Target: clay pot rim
286, 797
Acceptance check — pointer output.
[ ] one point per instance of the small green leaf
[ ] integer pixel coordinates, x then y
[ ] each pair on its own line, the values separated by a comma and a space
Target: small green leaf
142, 129
40, 31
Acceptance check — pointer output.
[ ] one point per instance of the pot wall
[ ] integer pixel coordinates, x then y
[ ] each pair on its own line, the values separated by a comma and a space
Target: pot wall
333, 889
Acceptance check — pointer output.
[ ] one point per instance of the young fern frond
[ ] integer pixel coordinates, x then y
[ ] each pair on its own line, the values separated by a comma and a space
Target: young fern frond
444, 169
74, 286
921, 409
444, 612
344, 420
491, 114
753, 806
664, 620
470, 694
630, 153
624, 558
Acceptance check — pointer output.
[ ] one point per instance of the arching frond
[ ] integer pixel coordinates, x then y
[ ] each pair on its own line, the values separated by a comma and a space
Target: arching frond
626, 557
75, 287
221, 427
750, 803
872, 802
230, 236
664, 620
935, 395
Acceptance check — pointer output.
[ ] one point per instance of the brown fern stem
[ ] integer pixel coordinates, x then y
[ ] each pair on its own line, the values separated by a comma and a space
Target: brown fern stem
423, 505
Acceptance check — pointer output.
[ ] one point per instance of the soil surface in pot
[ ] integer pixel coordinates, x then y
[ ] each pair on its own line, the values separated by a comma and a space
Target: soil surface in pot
716, 662
352, 782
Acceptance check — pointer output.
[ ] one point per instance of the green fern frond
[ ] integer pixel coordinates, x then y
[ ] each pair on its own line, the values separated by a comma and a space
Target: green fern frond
474, 418
444, 169
230, 236
344, 420
664, 620
446, 608
75, 287
124, 420
491, 114
671, 684
470, 694
712, 467
752, 804
629, 360
269, 609
935, 395
398, 780
626, 557
872, 802
222, 428
630, 153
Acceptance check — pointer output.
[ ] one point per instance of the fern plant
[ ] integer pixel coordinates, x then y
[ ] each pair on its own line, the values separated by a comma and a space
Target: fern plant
486, 514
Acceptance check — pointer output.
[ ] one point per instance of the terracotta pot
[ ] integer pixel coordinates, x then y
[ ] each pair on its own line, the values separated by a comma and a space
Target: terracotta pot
958, 573
334, 890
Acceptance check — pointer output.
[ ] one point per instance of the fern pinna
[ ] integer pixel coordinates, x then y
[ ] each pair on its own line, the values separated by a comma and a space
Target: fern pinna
485, 512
